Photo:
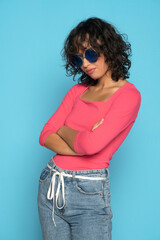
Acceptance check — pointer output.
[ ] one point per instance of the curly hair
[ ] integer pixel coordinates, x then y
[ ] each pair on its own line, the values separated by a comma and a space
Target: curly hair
104, 38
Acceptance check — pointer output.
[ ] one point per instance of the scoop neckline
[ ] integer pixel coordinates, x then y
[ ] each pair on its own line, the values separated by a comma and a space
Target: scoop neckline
116, 92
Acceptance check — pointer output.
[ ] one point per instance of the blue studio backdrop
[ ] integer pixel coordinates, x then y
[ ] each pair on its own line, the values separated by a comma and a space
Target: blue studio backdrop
33, 82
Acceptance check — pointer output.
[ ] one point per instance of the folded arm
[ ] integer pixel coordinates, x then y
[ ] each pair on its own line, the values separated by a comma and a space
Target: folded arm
58, 118
55, 143
123, 112
68, 134
48, 136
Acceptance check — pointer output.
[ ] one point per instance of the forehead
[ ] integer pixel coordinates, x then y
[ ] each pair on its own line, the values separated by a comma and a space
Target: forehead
83, 43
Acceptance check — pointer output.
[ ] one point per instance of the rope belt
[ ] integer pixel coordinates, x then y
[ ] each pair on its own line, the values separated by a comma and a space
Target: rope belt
51, 189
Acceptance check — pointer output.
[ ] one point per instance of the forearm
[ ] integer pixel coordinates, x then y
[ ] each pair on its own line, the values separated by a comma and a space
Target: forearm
55, 143
68, 135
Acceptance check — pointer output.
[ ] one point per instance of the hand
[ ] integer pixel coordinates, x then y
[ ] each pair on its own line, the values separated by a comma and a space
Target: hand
97, 124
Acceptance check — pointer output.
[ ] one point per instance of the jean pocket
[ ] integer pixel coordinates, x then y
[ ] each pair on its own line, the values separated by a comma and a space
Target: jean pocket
44, 174
89, 187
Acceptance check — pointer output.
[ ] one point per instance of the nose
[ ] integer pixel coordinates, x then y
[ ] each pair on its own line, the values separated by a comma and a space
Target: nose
85, 63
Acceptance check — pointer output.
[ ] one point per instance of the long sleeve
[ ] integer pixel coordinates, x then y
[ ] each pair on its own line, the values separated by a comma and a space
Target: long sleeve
58, 118
123, 112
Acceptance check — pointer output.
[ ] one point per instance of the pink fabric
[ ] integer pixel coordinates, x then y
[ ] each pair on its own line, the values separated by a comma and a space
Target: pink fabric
119, 112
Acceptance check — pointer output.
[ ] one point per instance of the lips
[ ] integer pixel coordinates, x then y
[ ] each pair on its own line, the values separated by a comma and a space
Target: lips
91, 70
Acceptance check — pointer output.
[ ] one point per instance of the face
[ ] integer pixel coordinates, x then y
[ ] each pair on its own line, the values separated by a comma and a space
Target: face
98, 68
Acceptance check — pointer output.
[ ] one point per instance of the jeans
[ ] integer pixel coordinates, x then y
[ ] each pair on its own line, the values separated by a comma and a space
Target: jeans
81, 208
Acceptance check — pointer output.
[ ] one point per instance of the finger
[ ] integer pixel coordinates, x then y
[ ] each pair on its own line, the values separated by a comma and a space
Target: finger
97, 124
101, 121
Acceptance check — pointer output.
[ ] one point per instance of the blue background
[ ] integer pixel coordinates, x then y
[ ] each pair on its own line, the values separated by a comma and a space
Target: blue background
32, 85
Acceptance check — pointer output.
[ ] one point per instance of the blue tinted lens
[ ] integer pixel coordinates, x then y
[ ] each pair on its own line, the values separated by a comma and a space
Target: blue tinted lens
77, 61
91, 55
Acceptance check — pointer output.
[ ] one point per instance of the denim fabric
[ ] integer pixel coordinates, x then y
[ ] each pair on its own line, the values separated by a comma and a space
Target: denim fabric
87, 213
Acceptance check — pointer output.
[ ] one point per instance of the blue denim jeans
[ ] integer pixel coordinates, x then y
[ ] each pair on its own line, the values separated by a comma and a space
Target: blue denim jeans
82, 209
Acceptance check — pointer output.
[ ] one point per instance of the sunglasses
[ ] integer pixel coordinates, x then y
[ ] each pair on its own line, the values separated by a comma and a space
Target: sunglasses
90, 55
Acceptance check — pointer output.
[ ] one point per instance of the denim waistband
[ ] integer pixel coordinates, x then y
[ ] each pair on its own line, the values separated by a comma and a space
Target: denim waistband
91, 175
101, 172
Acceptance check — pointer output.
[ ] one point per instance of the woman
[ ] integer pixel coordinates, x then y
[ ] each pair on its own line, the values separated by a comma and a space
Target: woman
93, 120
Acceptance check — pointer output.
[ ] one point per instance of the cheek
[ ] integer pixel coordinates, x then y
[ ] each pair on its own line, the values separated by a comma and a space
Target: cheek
101, 61
101, 64
105, 66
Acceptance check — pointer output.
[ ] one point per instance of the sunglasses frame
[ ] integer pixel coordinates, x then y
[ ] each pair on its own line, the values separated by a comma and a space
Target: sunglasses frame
81, 57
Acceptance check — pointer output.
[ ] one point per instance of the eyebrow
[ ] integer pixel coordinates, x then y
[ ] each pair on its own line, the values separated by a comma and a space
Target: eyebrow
84, 50
79, 55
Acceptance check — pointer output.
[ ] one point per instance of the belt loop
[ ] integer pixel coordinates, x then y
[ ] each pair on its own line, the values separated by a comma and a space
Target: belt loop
52, 162
73, 176
107, 172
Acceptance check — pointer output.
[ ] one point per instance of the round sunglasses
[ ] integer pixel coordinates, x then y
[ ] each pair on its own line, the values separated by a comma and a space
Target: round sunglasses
90, 55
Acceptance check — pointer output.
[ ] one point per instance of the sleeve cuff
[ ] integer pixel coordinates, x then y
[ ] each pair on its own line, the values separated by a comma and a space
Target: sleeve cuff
43, 137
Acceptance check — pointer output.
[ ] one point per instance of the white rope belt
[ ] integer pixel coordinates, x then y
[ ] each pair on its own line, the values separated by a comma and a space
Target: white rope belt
50, 194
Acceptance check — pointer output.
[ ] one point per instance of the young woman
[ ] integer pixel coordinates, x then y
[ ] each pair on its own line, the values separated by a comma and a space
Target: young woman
88, 127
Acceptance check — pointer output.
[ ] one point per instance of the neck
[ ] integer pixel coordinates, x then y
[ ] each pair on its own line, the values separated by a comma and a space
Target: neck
105, 81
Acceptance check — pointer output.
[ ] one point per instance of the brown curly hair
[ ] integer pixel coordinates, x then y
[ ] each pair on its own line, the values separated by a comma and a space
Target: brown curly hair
104, 38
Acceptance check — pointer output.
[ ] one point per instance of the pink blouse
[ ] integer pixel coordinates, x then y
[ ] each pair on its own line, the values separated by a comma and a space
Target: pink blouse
98, 146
